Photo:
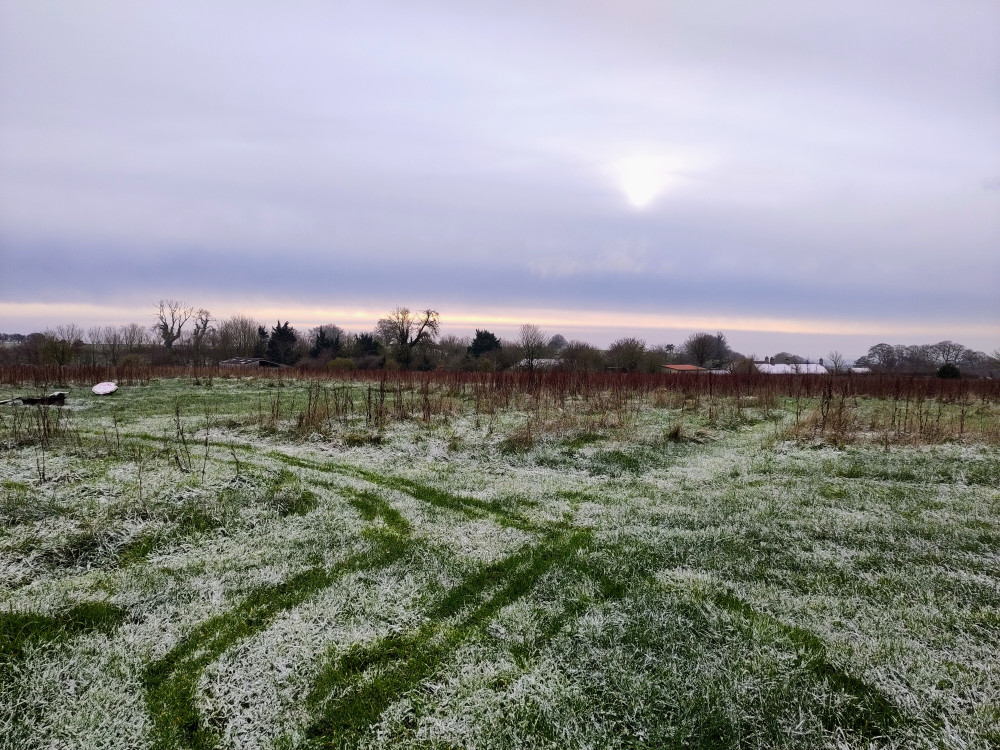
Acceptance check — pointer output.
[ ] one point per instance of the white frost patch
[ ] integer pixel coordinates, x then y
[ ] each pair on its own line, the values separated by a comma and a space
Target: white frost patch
86, 693
258, 689
479, 540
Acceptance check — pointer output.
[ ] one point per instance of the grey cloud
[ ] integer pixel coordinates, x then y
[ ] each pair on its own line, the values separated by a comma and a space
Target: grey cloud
827, 160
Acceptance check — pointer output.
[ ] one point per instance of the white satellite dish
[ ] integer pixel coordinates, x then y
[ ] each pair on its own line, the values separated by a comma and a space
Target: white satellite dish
103, 389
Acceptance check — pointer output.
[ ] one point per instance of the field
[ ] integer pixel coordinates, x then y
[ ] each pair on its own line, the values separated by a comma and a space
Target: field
503, 562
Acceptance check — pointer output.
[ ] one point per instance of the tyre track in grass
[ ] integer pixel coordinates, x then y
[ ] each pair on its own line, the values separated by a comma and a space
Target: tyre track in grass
471, 507
353, 690
19, 630
872, 715
399, 663
171, 681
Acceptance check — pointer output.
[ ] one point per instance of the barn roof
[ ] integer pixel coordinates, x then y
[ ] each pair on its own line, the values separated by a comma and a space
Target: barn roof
800, 369
539, 363
684, 368
249, 362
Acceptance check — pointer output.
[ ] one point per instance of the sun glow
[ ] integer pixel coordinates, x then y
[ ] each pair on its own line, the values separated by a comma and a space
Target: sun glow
643, 178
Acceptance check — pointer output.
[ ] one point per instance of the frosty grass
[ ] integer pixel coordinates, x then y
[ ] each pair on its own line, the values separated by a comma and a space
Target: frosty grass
173, 574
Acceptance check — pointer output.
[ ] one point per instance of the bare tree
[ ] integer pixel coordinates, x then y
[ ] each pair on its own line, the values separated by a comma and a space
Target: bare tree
402, 331
627, 354
837, 362
32, 349
62, 344
947, 352
134, 338
918, 358
884, 357
974, 360
95, 343
70, 333
453, 351
581, 357
202, 323
531, 340
170, 319
707, 349
112, 343
238, 336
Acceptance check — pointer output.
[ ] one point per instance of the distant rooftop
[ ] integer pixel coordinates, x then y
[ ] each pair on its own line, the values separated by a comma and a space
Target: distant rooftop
249, 362
684, 368
800, 369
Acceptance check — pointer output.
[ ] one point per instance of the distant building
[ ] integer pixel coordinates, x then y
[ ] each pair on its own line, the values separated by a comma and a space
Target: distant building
803, 369
683, 368
539, 364
249, 362
859, 370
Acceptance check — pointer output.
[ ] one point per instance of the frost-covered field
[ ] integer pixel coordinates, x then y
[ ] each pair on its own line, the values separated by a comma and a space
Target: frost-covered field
204, 565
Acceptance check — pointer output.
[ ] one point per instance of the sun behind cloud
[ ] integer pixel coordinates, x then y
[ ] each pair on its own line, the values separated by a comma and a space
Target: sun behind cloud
643, 178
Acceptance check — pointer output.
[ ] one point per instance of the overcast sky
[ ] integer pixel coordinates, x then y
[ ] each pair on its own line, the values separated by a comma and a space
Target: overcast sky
803, 176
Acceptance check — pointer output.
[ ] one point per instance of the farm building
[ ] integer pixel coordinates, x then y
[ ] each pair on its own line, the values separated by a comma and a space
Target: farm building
800, 369
683, 368
249, 362
539, 364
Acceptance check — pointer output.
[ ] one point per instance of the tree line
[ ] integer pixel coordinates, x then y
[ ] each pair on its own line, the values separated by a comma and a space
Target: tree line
943, 358
411, 339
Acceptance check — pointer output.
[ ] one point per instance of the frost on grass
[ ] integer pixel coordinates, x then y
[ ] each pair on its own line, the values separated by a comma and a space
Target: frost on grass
257, 691
671, 574
479, 540
85, 693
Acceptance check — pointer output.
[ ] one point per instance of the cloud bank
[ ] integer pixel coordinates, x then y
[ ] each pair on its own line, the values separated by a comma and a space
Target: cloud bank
775, 162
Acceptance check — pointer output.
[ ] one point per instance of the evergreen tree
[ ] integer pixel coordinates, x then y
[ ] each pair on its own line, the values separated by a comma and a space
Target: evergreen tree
365, 345
281, 344
483, 343
325, 342
260, 348
949, 371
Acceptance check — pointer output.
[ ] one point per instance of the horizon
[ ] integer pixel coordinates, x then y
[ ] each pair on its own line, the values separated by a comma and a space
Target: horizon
748, 342
804, 179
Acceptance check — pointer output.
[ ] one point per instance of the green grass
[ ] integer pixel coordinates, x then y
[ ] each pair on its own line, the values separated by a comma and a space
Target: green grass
19, 629
367, 679
170, 681
662, 578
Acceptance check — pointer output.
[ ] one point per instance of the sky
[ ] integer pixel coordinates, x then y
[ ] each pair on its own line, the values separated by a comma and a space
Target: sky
801, 176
